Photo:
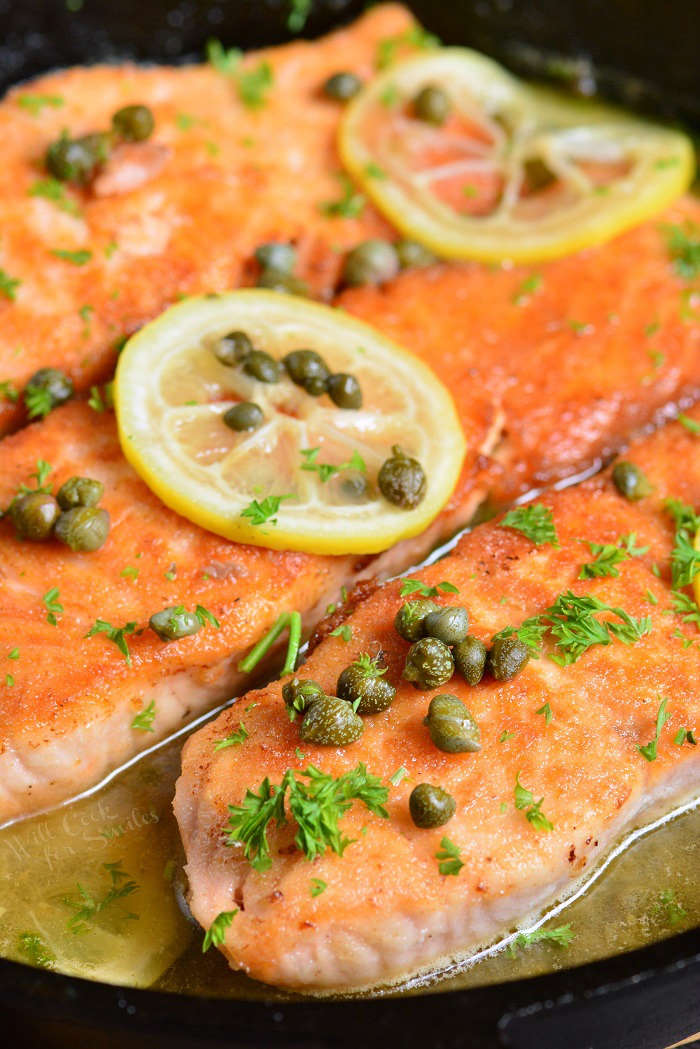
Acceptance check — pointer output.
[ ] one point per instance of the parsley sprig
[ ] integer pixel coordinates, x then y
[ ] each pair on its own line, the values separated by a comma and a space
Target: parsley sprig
349, 205
683, 243
260, 513
685, 559
414, 586
117, 635
86, 906
649, 750
534, 521
573, 625
216, 932
52, 605
448, 858
316, 805
525, 800
8, 285
326, 470
252, 85
560, 935
143, 721
234, 739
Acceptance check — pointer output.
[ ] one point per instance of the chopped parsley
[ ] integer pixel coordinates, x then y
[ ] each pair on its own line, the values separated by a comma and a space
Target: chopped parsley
505, 736
414, 586
316, 806
561, 935
216, 933
117, 635
53, 190
8, 285
143, 721
690, 424
534, 521
448, 858
224, 60
373, 170
400, 774
129, 572
683, 243
648, 751
685, 607
254, 84
546, 711
9, 392
628, 543
9, 680
573, 625
205, 616
351, 203
43, 469
389, 47
52, 605
263, 512
343, 631
325, 470
13, 653
685, 735
299, 11
78, 258
234, 739
685, 559
525, 801
607, 558
35, 103
33, 947
318, 886
38, 401
86, 906
527, 288
675, 911
531, 632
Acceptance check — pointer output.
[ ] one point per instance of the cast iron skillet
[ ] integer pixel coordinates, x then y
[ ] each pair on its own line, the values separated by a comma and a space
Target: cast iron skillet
643, 52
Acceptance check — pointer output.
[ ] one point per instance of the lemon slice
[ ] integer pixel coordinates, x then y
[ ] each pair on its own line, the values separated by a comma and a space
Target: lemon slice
306, 479
515, 171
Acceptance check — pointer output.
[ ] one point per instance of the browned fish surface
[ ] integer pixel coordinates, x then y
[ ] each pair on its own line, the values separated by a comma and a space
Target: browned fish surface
570, 735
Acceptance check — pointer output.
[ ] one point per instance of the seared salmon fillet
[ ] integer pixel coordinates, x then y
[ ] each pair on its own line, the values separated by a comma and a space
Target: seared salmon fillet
568, 734
179, 214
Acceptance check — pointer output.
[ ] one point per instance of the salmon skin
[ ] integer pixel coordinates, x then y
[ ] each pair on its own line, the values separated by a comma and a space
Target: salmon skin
179, 214
568, 734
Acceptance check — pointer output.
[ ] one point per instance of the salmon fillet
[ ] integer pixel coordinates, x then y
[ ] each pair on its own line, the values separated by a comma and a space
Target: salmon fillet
386, 911
219, 179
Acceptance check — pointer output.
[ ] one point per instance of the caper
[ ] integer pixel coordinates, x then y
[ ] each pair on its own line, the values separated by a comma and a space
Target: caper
83, 528
79, 491
354, 486
432, 104
233, 348
55, 383
244, 416
449, 625
279, 280
411, 254
345, 391
133, 123
409, 618
630, 481
429, 664
331, 722
308, 369
276, 255
173, 623
34, 515
300, 693
363, 684
470, 659
342, 86
452, 728
431, 806
76, 159
402, 480
507, 657
372, 262
262, 366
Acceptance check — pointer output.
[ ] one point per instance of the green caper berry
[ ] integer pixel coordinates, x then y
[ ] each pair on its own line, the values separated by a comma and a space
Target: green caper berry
278, 280
233, 348
366, 688
173, 623
300, 693
276, 255
372, 262
244, 416
133, 123
262, 366
431, 806
507, 657
451, 726
470, 659
79, 491
402, 480
34, 515
354, 486
56, 383
412, 255
432, 105
77, 159
449, 625
308, 369
410, 617
429, 664
630, 481
331, 722
342, 86
84, 528
345, 391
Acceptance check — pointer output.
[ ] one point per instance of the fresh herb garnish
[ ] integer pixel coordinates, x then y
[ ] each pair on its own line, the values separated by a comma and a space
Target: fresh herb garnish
526, 288
448, 858
86, 907
685, 735
683, 243
318, 886
525, 800
299, 11
648, 751
9, 392
263, 512
534, 521
253, 85
143, 721
117, 635
505, 736
546, 711
531, 632
216, 933
35, 103
607, 558
628, 543
52, 605
325, 470
43, 469
234, 739
343, 631
34, 948
53, 190
400, 774
13, 653
224, 60
675, 911
572, 624
316, 806
205, 616
350, 204
286, 619
690, 424
78, 258
414, 586
415, 36
685, 559
561, 935
38, 401
8, 285
685, 607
